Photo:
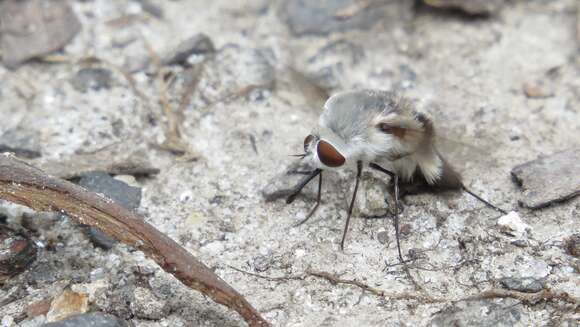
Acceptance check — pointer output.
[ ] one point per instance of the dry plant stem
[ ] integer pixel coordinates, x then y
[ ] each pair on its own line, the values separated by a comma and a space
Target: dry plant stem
173, 141
528, 298
26, 185
389, 295
196, 74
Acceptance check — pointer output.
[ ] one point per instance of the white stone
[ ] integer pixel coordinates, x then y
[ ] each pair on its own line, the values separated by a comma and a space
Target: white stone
513, 225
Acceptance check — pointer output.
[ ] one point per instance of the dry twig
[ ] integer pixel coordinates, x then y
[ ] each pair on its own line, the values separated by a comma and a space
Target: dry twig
528, 298
173, 140
384, 294
26, 185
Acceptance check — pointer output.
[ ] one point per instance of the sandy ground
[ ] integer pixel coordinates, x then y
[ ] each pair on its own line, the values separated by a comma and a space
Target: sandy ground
469, 74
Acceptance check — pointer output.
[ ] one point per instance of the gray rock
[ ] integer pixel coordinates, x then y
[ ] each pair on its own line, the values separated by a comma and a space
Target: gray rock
346, 49
101, 182
549, 179
197, 44
94, 319
99, 238
146, 305
236, 72
45, 272
92, 79
151, 8
383, 237
526, 284
22, 142
478, 314
323, 17
34, 28
262, 263
117, 301
123, 194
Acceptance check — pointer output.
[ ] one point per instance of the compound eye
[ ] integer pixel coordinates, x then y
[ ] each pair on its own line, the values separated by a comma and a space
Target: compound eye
328, 155
307, 141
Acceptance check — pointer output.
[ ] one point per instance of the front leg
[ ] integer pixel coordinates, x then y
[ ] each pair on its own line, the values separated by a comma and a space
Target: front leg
358, 174
395, 179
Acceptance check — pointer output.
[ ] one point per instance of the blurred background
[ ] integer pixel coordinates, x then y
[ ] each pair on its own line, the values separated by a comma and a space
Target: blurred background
187, 112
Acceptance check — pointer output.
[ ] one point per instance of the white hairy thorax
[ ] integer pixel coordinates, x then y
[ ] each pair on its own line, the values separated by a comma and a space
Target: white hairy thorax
350, 123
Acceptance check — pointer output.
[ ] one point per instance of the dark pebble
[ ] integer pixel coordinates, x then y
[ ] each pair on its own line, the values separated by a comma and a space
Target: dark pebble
17, 252
383, 237
572, 245
151, 8
197, 44
94, 319
123, 194
525, 284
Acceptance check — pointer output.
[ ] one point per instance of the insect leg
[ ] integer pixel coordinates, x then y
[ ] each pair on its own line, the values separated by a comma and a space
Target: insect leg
358, 174
484, 201
301, 185
317, 201
395, 178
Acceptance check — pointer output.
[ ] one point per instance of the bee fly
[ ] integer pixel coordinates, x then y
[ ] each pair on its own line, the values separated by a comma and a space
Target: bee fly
379, 130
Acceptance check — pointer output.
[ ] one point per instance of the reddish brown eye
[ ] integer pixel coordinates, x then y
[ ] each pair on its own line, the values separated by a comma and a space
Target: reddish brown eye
394, 130
307, 142
328, 155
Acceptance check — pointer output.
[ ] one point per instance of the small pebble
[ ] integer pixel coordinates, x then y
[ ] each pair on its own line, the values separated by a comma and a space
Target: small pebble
17, 252
513, 225
526, 284
196, 44
92, 79
146, 305
383, 237
262, 263
93, 319
572, 245
67, 304
405, 229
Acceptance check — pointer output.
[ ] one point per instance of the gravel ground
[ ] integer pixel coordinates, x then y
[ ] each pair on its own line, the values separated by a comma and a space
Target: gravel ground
502, 90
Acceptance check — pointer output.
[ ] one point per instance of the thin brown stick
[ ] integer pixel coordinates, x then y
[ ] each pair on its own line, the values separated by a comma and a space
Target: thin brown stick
528, 298
274, 279
23, 184
389, 295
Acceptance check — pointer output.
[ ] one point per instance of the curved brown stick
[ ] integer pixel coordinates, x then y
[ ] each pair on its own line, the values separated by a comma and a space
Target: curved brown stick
23, 184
